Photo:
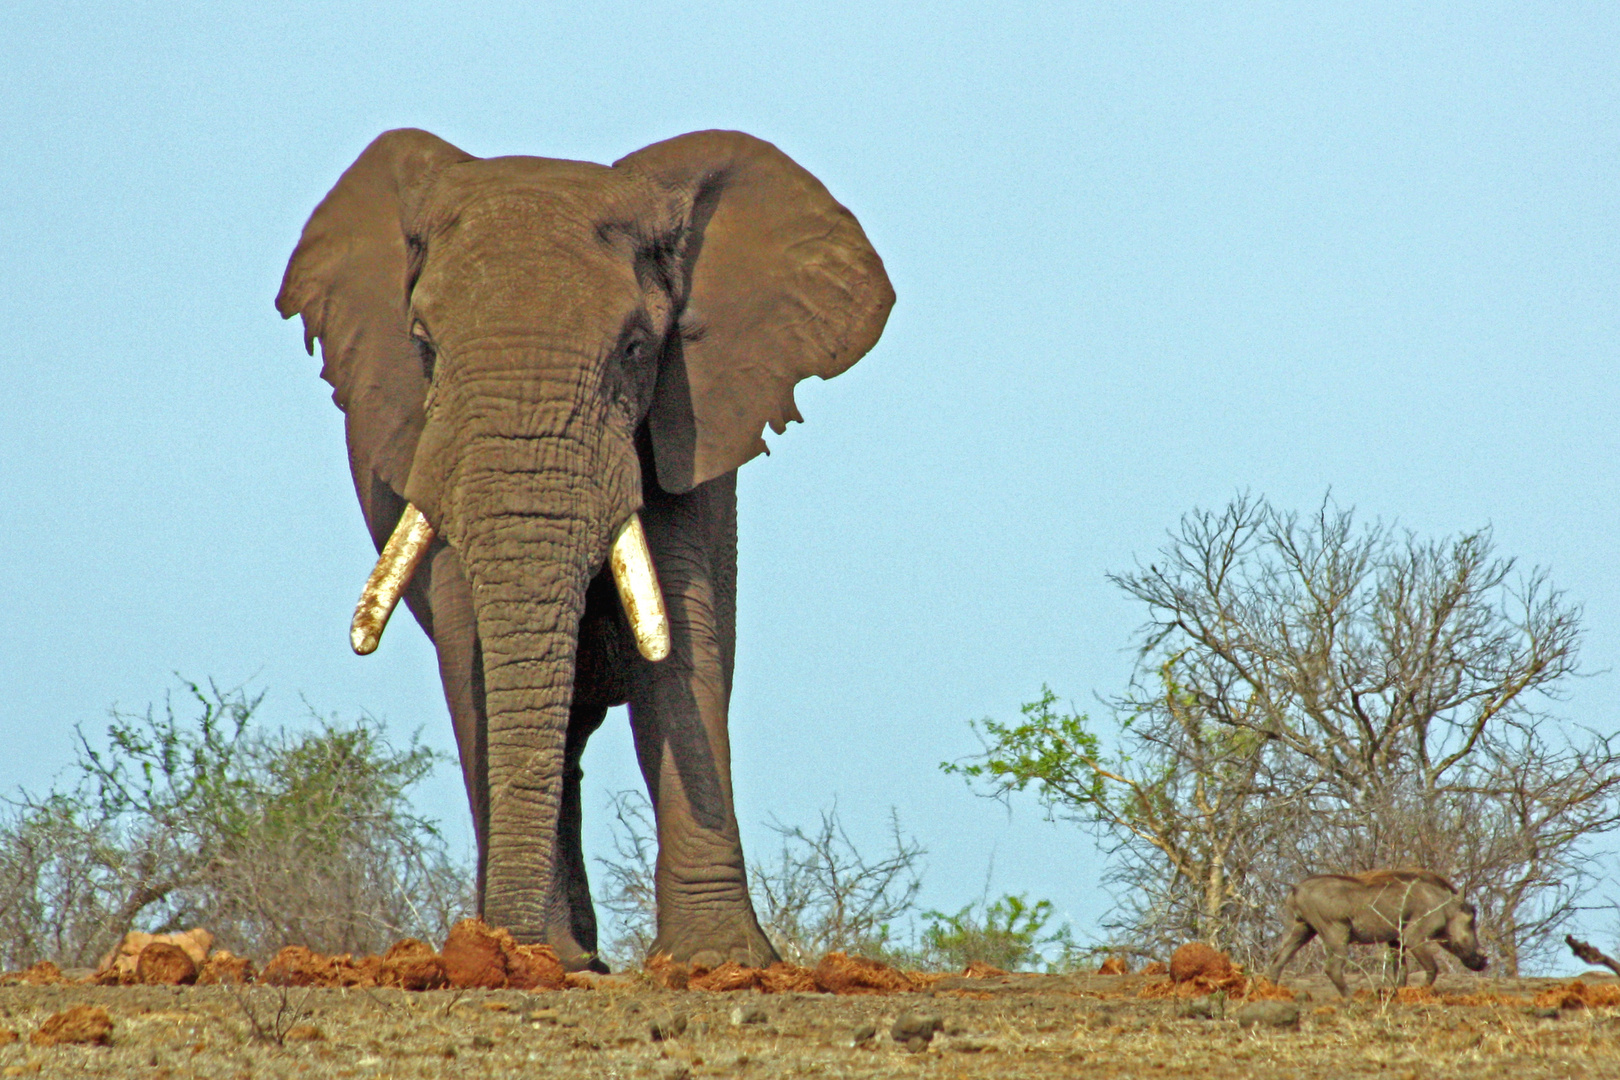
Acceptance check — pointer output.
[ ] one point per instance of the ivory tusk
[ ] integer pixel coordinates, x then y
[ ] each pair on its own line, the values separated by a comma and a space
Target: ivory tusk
398, 561
643, 601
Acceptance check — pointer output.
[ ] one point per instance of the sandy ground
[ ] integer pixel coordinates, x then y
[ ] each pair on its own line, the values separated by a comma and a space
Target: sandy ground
1034, 1026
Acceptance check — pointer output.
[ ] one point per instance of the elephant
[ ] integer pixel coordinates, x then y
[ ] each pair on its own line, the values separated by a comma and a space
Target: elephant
550, 372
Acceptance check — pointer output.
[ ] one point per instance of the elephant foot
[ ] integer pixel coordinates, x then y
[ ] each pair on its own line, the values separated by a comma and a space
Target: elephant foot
571, 954
747, 947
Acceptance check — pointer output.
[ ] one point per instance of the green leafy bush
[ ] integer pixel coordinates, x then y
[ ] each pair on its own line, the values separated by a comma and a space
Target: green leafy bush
1009, 933
265, 838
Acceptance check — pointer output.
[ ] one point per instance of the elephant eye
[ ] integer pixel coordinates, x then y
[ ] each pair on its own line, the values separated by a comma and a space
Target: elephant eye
425, 349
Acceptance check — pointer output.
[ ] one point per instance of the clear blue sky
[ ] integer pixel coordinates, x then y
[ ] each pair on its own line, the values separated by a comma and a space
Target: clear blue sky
1146, 256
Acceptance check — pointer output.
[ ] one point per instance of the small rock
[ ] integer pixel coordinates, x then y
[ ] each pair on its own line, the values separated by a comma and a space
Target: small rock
1208, 1007
668, 1027
755, 1015
80, 1024
910, 1026
863, 1035
1278, 1014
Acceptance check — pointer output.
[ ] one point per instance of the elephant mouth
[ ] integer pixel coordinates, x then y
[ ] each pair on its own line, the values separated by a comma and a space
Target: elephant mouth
629, 558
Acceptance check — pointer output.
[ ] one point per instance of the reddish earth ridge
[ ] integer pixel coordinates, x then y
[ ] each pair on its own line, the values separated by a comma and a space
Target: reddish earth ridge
475, 955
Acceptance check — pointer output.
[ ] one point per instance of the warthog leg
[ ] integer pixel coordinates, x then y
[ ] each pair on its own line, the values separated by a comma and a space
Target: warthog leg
1336, 941
1298, 936
1423, 953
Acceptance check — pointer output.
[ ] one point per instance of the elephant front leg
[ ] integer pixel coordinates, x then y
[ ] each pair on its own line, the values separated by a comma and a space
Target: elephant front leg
704, 911
678, 711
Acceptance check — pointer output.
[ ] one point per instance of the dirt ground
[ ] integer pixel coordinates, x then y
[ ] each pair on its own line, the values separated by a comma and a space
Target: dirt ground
1013, 1026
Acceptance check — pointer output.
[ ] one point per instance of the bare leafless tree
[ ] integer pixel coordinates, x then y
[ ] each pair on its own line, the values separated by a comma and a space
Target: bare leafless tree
1314, 695
822, 894
1402, 687
626, 887
819, 894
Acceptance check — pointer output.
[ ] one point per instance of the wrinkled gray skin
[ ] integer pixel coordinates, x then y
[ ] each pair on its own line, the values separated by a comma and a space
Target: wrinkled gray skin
1405, 909
529, 350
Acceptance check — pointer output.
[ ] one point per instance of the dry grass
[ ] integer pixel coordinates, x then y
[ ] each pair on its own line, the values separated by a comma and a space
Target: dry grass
1018, 1026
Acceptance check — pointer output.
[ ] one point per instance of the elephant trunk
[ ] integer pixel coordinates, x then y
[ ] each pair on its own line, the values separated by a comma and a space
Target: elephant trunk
529, 564
531, 513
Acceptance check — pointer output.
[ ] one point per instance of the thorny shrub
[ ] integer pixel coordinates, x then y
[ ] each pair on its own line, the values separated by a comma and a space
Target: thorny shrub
266, 838
820, 894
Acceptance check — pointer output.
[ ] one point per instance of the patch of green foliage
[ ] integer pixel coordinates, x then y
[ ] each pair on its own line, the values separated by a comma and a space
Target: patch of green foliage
264, 837
1009, 933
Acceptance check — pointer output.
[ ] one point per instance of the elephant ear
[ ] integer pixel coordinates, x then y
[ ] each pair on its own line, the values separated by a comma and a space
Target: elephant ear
349, 278
780, 284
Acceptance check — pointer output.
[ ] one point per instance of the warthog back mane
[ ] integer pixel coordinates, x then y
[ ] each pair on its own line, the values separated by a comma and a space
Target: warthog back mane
1403, 875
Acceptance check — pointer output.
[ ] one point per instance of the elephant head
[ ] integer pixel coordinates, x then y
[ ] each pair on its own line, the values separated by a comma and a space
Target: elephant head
528, 352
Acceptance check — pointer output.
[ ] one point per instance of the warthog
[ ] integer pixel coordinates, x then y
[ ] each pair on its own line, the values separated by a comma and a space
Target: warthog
1405, 909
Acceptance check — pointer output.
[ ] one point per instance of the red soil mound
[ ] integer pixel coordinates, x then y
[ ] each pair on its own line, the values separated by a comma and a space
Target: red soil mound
225, 968
80, 1024
1263, 989
1196, 960
43, 973
727, 977
476, 955
1196, 969
413, 965
781, 978
1579, 995
163, 964
836, 974
119, 967
1156, 968
841, 974
1114, 966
